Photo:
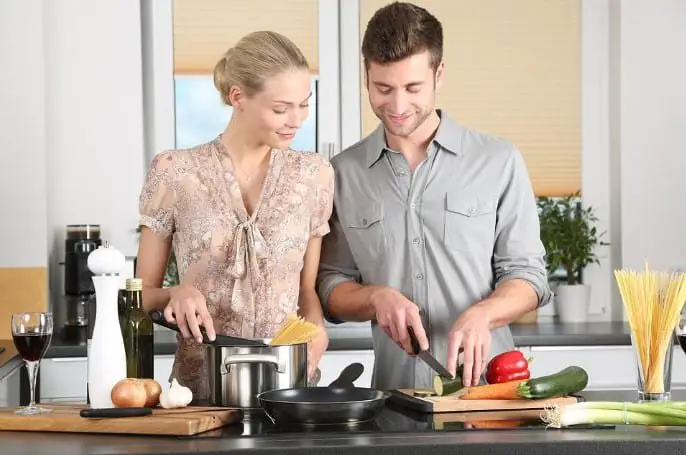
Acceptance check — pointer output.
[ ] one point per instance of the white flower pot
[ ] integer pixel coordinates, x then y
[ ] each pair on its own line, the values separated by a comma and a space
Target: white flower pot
572, 302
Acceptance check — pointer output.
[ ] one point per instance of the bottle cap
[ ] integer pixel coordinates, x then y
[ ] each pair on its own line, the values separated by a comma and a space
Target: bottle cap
134, 284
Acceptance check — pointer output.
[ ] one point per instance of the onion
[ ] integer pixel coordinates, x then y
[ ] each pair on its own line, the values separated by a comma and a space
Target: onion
136, 393
153, 389
129, 393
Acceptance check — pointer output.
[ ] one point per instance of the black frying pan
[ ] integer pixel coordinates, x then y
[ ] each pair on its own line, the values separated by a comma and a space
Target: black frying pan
341, 403
220, 340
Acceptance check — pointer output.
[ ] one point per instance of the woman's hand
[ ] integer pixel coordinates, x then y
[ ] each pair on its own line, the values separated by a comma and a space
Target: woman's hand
315, 350
188, 309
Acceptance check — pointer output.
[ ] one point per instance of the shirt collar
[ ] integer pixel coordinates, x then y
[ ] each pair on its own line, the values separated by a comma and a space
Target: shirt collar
448, 136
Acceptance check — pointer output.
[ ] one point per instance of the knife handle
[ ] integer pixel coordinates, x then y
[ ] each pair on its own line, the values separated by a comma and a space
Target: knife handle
115, 412
413, 340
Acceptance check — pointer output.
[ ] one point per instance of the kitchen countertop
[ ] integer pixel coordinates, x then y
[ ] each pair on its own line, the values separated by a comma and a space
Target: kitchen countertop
394, 433
347, 337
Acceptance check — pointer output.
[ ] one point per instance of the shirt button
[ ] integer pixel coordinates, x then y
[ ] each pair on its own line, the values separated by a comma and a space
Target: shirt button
364, 221
415, 240
419, 276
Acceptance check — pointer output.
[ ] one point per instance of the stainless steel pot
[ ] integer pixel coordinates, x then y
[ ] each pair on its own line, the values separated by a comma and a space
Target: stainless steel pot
237, 374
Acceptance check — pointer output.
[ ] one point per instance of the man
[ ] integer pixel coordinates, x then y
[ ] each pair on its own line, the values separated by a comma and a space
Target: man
434, 226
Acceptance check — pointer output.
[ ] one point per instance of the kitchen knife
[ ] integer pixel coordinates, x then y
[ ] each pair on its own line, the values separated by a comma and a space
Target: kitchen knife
115, 412
426, 356
220, 340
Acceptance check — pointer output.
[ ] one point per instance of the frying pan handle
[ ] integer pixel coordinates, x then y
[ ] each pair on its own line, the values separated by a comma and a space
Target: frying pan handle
252, 358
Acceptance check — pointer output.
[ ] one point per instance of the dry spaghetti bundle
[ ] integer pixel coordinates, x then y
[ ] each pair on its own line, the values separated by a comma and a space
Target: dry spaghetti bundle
294, 331
653, 302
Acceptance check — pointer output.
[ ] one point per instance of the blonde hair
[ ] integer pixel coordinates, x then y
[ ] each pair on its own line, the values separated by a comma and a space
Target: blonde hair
255, 58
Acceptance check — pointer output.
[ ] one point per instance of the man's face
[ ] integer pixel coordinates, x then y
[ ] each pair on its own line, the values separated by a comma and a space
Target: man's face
403, 94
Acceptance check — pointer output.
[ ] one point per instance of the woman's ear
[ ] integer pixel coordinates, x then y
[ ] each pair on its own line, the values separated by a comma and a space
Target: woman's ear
236, 97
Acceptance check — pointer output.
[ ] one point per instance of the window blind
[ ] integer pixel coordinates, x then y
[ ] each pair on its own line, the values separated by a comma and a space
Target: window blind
513, 69
204, 29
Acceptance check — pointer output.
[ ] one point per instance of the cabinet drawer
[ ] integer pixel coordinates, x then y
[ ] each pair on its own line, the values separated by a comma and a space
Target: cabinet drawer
63, 378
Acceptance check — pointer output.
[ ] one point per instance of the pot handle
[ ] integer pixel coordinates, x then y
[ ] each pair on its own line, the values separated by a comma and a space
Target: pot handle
251, 358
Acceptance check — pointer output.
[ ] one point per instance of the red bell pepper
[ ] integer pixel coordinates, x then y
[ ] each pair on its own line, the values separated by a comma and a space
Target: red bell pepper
508, 366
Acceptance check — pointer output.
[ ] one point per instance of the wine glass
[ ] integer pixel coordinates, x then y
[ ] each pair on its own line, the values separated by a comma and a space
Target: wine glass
32, 333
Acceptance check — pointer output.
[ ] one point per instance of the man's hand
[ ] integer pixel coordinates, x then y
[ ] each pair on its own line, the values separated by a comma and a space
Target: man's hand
394, 312
471, 335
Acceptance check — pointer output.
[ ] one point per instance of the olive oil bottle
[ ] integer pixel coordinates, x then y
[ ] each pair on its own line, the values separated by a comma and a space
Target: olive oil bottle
138, 333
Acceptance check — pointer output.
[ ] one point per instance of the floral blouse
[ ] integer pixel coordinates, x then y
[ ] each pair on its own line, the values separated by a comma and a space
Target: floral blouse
247, 267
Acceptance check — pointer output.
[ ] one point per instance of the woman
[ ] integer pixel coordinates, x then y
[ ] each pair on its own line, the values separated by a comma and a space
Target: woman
246, 214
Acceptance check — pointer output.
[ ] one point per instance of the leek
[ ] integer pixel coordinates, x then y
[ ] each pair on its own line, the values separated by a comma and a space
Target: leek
667, 413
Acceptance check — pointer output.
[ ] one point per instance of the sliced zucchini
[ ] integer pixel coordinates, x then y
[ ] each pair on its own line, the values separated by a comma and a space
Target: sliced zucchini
447, 386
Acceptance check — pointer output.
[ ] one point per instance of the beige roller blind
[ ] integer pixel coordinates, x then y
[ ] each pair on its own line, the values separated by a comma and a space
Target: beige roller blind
513, 69
205, 29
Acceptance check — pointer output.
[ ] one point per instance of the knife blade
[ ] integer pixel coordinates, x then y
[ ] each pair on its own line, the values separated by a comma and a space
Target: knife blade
426, 356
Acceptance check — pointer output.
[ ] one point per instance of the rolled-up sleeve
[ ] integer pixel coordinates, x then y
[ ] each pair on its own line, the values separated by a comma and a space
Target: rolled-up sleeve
519, 252
336, 265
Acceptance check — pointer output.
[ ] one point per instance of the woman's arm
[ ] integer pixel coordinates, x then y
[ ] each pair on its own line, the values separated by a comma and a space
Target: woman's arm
151, 264
309, 306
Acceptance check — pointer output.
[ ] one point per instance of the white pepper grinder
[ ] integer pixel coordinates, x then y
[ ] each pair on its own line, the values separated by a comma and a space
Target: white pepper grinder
106, 354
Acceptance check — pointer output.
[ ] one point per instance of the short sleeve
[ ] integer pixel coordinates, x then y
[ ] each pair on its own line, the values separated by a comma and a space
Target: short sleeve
157, 198
319, 225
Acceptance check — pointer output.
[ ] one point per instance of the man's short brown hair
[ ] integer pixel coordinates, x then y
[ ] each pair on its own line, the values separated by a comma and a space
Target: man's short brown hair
400, 30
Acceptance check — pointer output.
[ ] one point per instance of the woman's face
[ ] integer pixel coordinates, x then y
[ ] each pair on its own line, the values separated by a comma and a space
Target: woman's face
275, 114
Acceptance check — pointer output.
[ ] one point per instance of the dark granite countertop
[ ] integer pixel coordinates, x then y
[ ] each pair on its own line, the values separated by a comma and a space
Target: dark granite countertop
406, 435
343, 338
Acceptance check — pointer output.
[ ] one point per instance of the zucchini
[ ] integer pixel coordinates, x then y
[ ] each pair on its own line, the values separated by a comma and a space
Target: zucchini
424, 393
447, 386
565, 382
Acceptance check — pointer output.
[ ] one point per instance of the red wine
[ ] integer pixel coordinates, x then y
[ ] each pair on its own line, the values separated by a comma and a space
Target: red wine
32, 346
682, 341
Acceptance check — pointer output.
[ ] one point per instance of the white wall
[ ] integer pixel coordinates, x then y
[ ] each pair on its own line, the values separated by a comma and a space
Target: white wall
653, 123
72, 100
94, 120
22, 136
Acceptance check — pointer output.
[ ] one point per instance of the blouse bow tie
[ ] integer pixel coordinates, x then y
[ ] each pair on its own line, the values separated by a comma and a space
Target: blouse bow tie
249, 247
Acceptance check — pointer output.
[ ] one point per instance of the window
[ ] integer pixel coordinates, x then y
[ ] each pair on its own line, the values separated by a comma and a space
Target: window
203, 30
513, 69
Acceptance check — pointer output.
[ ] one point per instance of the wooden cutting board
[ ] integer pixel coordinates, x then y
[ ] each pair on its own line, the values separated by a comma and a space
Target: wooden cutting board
187, 421
405, 398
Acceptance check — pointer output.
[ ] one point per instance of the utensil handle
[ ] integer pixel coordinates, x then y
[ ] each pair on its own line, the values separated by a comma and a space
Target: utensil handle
115, 412
158, 318
253, 358
348, 376
413, 340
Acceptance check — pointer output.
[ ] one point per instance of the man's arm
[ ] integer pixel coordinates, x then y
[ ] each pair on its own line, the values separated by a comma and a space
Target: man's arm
338, 282
345, 299
521, 282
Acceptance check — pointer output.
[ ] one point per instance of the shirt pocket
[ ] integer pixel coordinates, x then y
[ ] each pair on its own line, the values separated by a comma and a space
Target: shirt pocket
366, 238
469, 222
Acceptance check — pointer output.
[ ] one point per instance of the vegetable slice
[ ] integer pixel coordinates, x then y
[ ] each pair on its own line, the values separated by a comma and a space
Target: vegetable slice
447, 386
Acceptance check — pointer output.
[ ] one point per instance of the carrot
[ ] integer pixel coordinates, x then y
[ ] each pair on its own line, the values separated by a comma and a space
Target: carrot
501, 391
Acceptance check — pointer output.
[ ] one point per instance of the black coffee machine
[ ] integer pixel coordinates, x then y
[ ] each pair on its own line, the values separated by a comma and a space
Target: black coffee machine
79, 292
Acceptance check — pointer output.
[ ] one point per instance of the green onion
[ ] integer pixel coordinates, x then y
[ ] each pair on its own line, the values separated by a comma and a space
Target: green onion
666, 413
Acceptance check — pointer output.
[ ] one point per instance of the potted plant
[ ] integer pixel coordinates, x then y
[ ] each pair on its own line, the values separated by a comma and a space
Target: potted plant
570, 240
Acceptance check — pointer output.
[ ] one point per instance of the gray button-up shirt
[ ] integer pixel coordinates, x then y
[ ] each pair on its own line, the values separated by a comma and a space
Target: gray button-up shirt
444, 235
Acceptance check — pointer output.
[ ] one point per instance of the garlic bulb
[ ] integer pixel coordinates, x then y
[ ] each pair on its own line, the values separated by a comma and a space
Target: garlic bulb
176, 396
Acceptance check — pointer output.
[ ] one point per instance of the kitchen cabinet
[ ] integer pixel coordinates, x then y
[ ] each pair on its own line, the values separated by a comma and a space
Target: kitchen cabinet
9, 388
65, 379
333, 362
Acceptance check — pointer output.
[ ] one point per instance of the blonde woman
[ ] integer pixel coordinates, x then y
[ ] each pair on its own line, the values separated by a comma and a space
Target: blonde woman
244, 213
